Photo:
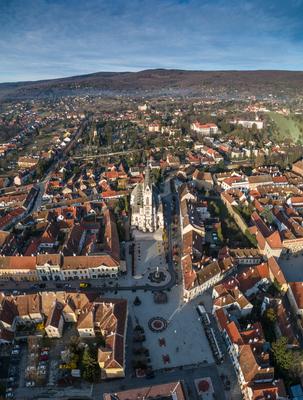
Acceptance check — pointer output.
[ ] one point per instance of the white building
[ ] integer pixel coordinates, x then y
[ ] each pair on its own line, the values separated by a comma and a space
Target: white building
248, 124
204, 129
147, 212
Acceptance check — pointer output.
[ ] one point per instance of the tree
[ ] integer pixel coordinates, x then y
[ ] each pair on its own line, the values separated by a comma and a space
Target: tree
91, 370
270, 315
108, 134
282, 356
220, 234
297, 365
252, 239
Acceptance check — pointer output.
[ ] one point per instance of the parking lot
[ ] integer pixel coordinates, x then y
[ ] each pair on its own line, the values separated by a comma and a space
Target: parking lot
12, 366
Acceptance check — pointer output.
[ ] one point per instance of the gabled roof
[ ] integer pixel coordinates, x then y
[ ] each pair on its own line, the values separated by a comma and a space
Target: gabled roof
55, 315
82, 262
297, 290
233, 333
18, 262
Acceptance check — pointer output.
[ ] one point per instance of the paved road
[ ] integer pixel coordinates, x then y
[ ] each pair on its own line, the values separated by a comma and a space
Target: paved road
117, 153
43, 183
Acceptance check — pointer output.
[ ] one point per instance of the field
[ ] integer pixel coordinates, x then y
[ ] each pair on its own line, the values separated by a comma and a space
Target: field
287, 126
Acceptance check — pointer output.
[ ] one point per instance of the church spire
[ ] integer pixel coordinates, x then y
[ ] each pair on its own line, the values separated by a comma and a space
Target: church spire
147, 182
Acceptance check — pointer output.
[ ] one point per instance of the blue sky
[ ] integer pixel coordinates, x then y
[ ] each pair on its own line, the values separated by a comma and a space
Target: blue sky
55, 38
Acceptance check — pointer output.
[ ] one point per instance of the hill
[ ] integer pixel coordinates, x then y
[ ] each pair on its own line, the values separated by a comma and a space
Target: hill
218, 84
290, 126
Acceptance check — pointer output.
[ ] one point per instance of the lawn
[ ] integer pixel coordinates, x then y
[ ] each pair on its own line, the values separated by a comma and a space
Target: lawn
287, 126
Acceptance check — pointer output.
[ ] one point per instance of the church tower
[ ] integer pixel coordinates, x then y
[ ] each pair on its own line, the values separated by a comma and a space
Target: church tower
148, 201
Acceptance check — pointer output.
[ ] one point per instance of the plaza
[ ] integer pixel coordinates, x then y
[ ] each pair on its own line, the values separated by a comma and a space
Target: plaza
183, 341
292, 267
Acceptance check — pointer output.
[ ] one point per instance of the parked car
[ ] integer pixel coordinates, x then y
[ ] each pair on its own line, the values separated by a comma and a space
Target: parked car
84, 285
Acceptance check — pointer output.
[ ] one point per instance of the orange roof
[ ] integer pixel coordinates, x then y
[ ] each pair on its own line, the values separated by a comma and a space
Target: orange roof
276, 271
233, 333
222, 318
17, 262
189, 274
297, 290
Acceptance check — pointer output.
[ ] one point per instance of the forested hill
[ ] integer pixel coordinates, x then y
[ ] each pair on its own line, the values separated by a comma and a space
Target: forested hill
218, 84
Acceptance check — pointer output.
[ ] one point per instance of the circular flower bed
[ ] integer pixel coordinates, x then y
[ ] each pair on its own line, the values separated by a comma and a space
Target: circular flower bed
157, 324
203, 386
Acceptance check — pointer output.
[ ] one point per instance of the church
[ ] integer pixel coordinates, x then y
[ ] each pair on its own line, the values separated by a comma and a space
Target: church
146, 206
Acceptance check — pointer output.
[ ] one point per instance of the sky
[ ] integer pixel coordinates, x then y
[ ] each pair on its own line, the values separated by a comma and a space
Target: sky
55, 38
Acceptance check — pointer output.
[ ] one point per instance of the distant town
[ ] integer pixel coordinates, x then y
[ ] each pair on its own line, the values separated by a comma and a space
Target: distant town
151, 247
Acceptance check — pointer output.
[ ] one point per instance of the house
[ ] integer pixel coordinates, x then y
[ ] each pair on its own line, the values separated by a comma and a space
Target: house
111, 320
235, 182
11, 218
92, 316
227, 295
259, 180
89, 267
154, 127
173, 161
203, 180
27, 162
243, 256
48, 266
55, 321
268, 240
297, 167
246, 350
85, 322
295, 296
19, 268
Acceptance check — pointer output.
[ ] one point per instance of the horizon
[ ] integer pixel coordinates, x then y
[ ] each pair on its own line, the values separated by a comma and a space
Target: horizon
52, 39
151, 69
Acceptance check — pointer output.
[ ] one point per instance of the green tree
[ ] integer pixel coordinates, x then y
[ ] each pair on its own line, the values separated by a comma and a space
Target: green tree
282, 356
91, 370
297, 364
270, 315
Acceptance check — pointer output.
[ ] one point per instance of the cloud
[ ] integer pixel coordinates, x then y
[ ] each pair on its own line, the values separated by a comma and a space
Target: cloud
50, 38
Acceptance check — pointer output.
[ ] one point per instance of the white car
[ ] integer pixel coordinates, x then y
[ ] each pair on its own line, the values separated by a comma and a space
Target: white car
42, 371
30, 384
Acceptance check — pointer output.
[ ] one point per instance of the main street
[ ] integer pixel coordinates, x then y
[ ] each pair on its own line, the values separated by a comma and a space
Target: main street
43, 183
